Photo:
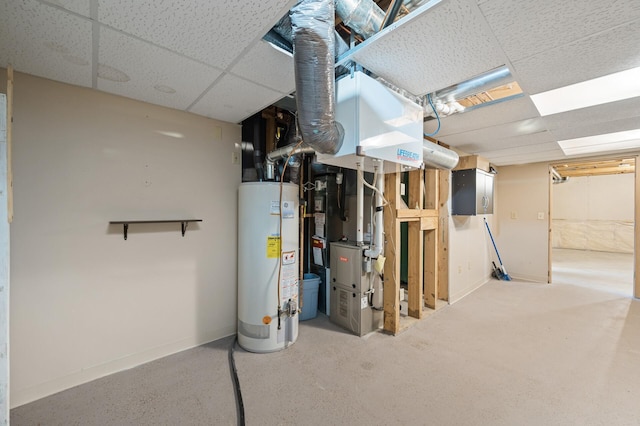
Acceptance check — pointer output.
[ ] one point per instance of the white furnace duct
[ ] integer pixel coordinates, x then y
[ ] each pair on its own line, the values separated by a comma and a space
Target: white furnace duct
267, 309
379, 124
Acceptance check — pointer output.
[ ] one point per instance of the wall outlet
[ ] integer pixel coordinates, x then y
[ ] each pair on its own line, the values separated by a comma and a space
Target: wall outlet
540, 215
514, 215
235, 158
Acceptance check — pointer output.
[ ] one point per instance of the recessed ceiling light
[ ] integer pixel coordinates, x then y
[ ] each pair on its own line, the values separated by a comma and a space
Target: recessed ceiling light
112, 74
601, 90
608, 142
164, 89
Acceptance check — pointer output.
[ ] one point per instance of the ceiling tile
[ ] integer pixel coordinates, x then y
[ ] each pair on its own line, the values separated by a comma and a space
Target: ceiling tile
444, 45
493, 133
628, 108
213, 32
525, 28
590, 129
267, 66
485, 116
149, 66
234, 99
519, 150
475, 146
82, 7
44, 41
602, 54
552, 155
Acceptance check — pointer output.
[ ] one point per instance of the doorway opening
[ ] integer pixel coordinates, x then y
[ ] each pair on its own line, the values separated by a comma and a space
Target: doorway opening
592, 220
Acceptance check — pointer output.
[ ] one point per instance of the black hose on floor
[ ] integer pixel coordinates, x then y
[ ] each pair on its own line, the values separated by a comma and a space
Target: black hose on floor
236, 382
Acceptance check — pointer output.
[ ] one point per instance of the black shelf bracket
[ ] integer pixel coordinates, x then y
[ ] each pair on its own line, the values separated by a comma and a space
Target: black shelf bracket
184, 223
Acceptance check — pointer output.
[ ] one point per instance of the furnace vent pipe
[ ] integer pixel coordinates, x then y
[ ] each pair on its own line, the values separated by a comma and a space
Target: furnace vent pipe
289, 150
363, 16
435, 156
312, 23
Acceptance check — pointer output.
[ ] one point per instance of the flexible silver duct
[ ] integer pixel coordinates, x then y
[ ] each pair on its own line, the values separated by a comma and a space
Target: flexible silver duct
435, 156
363, 16
284, 30
313, 54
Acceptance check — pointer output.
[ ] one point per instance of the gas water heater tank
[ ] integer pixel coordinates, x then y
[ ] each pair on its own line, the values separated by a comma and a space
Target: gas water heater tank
265, 251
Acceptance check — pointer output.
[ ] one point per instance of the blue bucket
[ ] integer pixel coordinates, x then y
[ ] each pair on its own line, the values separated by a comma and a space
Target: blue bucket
310, 286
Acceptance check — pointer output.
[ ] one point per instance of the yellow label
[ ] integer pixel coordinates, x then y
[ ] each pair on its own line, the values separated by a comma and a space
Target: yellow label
273, 247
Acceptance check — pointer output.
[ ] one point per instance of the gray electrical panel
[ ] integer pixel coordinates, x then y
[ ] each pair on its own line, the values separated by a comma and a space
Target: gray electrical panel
351, 298
471, 192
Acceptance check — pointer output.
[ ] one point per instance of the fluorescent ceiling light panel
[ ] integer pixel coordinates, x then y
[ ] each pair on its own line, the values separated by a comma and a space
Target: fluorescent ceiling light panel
608, 142
601, 90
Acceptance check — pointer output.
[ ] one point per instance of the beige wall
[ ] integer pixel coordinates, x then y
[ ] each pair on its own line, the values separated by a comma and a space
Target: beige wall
84, 302
521, 236
594, 213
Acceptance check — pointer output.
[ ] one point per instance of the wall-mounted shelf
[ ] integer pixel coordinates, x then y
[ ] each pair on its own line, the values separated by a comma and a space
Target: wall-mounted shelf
125, 223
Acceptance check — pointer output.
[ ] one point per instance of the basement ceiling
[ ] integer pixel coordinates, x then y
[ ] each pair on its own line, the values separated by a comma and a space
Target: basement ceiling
208, 58
602, 167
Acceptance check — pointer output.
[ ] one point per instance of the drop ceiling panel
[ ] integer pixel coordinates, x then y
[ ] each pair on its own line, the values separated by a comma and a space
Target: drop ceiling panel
526, 28
590, 129
267, 66
602, 54
486, 116
153, 72
214, 32
82, 7
444, 45
496, 154
234, 99
501, 131
628, 108
474, 146
552, 155
44, 41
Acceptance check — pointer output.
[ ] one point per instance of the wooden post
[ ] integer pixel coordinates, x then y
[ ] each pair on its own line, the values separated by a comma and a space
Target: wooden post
9, 139
415, 246
391, 284
443, 234
636, 251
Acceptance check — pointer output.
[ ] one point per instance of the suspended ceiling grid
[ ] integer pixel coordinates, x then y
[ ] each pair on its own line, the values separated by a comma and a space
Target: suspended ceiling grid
208, 58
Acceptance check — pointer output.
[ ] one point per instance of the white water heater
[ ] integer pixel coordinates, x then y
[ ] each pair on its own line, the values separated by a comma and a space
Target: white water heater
266, 252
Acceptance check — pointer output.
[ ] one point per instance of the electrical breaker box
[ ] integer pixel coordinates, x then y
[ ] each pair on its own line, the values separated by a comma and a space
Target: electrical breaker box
350, 297
379, 124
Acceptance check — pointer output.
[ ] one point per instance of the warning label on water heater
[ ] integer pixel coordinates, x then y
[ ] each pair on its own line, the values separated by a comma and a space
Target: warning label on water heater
273, 247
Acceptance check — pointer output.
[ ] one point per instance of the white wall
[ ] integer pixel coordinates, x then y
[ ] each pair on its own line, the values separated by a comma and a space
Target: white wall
470, 254
84, 302
522, 238
594, 213
4, 268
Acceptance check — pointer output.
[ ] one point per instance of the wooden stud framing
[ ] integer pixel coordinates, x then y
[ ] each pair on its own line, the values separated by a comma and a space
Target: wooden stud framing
391, 289
9, 143
443, 234
415, 246
636, 251
426, 281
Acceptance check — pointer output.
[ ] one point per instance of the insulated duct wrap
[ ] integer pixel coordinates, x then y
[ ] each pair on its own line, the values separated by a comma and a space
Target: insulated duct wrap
313, 54
435, 156
363, 16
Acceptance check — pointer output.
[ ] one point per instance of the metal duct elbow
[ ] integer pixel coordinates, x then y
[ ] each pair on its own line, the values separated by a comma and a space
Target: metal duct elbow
435, 156
363, 16
313, 55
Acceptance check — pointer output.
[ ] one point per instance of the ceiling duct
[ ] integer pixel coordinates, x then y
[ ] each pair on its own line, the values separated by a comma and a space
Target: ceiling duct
445, 100
312, 23
363, 16
435, 156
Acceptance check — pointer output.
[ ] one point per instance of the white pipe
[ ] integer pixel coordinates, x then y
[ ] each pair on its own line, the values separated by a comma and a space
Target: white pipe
359, 205
378, 216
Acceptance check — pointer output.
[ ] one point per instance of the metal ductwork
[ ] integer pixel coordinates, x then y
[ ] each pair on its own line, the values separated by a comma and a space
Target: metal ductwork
312, 23
482, 83
363, 16
435, 156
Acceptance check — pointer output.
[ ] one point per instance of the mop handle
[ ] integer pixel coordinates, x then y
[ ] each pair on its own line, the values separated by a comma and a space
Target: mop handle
494, 243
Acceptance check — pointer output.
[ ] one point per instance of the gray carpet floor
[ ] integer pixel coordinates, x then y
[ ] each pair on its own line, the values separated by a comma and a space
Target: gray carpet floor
511, 353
